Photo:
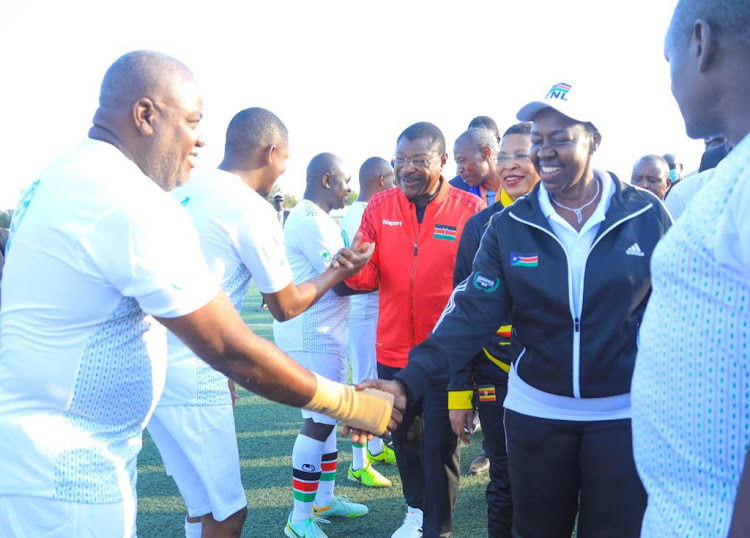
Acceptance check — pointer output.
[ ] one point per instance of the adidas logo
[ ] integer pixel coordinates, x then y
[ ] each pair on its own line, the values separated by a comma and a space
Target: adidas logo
635, 250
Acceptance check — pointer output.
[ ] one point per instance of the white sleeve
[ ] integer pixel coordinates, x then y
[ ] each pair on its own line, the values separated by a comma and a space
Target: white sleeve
350, 224
157, 260
260, 245
675, 204
322, 240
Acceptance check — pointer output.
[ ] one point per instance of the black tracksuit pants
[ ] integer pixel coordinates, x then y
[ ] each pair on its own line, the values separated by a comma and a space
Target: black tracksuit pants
499, 499
561, 468
427, 455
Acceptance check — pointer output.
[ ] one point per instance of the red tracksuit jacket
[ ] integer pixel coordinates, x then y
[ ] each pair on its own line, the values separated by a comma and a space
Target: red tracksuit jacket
412, 266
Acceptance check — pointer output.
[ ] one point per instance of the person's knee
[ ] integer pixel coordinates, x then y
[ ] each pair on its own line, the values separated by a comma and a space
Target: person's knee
231, 527
316, 430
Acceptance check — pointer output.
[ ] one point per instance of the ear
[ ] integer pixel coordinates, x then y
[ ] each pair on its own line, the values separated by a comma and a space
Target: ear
270, 155
381, 180
702, 44
326, 180
144, 116
443, 160
486, 153
596, 139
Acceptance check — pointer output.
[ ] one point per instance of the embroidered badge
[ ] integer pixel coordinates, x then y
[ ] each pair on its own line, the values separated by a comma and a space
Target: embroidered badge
524, 260
487, 393
443, 231
485, 284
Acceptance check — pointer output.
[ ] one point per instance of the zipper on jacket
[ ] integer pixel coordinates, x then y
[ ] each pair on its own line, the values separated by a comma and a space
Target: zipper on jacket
577, 315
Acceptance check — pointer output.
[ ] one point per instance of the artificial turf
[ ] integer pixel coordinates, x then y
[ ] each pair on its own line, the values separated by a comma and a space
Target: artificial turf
265, 435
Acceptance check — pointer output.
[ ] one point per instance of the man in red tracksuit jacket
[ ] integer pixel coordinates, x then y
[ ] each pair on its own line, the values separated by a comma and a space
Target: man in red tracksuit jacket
416, 229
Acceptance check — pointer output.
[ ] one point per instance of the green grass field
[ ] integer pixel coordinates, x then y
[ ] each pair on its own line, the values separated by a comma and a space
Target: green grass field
265, 433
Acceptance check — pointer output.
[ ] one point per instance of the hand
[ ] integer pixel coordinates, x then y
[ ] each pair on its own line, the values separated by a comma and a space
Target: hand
232, 392
351, 260
395, 388
460, 419
358, 436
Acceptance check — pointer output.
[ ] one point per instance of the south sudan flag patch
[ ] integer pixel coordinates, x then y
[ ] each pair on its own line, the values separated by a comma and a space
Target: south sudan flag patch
443, 231
487, 393
524, 260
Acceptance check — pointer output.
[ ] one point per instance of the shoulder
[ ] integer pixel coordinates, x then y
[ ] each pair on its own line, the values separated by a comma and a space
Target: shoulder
383, 199
466, 199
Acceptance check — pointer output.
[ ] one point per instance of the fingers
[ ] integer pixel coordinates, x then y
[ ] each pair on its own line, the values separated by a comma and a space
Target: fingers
460, 420
358, 436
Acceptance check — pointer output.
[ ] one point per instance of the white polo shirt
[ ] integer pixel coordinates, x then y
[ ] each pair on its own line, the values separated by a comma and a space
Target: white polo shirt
363, 306
241, 238
691, 385
312, 237
96, 247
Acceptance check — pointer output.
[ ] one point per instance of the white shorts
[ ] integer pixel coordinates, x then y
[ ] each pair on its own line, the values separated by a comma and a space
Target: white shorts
333, 367
362, 335
198, 445
39, 517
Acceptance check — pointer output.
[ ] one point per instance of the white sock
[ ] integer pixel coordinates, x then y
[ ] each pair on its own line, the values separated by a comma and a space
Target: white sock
306, 457
328, 466
193, 530
375, 446
359, 456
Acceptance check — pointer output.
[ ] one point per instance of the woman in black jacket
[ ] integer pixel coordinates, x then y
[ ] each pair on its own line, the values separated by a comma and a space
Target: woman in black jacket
570, 263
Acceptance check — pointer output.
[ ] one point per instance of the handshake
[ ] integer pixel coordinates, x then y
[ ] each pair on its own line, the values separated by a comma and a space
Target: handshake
374, 407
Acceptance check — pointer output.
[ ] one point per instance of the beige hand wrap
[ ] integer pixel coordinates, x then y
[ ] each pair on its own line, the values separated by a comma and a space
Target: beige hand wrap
368, 410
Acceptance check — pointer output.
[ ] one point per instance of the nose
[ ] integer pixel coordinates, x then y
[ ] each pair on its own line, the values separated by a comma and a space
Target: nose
200, 141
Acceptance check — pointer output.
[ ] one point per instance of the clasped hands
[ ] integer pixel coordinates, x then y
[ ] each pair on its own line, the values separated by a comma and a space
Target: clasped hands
351, 260
399, 407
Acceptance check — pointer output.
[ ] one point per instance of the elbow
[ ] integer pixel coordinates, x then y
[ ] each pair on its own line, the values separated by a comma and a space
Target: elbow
281, 313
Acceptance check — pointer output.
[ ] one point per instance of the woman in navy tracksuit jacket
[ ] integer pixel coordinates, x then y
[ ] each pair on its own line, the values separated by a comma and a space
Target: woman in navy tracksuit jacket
569, 263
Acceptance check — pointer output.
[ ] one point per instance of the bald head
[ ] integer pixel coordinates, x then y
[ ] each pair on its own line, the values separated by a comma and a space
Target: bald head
327, 181
479, 138
651, 172
140, 73
375, 175
252, 129
149, 108
729, 19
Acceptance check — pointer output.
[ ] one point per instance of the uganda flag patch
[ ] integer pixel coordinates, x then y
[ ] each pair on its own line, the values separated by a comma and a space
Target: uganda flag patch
524, 260
443, 231
487, 393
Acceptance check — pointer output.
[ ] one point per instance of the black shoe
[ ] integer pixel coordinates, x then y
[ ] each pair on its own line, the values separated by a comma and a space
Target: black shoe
480, 465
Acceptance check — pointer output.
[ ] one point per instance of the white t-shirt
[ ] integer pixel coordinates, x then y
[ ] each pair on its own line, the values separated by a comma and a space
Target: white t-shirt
363, 306
96, 248
312, 237
691, 384
241, 238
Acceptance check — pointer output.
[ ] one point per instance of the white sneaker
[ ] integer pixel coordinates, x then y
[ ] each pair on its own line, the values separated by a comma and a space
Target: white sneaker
412, 526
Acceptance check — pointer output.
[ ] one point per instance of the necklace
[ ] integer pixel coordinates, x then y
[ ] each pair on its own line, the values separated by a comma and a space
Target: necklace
578, 212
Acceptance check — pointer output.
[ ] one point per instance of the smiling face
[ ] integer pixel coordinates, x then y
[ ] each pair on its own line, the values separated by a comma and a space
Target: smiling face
176, 134
338, 187
517, 174
561, 150
417, 181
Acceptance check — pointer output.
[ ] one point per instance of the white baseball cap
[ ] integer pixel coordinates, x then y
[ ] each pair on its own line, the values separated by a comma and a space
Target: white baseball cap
564, 98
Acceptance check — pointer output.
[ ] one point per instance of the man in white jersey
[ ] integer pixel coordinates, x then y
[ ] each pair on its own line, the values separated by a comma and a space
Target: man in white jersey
317, 339
241, 238
375, 175
690, 393
97, 248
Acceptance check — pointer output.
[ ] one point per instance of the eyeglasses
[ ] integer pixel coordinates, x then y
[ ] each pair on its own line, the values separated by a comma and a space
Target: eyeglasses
505, 158
420, 162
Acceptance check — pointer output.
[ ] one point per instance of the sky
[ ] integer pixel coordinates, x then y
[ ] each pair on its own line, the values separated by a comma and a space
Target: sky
344, 76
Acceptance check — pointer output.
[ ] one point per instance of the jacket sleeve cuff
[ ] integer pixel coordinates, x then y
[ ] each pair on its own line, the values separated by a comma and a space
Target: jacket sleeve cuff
416, 382
460, 399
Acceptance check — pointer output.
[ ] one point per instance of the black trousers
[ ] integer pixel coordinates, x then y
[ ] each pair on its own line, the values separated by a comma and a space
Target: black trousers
499, 498
561, 468
427, 456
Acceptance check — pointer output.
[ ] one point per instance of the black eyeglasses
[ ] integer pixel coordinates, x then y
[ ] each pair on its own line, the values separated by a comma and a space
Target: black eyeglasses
419, 162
